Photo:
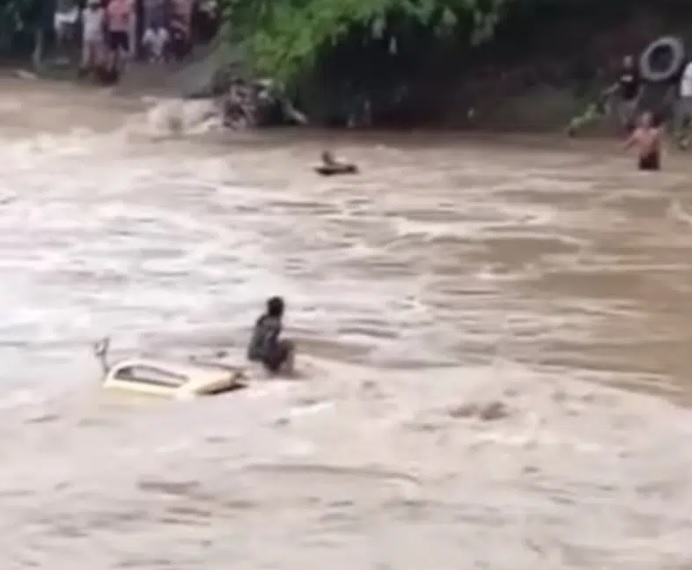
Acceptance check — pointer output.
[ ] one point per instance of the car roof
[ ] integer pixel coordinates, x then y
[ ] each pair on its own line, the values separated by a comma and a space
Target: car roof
192, 371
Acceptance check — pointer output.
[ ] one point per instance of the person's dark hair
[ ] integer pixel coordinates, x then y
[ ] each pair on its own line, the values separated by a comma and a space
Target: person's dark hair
275, 307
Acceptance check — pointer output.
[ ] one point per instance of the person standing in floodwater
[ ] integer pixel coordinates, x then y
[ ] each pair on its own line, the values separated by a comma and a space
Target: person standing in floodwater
646, 138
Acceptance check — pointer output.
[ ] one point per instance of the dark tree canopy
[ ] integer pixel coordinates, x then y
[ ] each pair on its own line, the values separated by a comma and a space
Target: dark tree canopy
286, 37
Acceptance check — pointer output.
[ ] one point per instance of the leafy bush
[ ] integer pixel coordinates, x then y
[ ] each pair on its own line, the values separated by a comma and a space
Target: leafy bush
285, 38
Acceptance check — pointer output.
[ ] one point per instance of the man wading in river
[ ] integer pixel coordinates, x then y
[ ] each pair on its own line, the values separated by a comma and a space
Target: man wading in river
646, 138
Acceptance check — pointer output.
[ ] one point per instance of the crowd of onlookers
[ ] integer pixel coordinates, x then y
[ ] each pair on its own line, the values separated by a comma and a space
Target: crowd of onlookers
157, 31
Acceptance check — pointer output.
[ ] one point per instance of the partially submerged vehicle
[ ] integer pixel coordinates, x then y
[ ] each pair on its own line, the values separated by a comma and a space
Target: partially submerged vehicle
171, 379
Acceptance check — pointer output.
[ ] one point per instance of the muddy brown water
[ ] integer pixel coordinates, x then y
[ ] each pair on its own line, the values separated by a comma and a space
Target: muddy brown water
495, 338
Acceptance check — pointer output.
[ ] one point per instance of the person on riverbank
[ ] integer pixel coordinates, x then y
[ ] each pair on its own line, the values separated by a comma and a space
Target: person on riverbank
93, 22
646, 139
265, 345
204, 21
683, 108
156, 41
179, 41
620, 100
118, 16
625, 94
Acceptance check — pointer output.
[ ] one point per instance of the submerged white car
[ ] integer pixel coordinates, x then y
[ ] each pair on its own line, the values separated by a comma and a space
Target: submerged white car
177, 380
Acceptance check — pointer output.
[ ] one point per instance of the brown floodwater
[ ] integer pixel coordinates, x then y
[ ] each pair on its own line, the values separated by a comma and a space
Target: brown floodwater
494, 339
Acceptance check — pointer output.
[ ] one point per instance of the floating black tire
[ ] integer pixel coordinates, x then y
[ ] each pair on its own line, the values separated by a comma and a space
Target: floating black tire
662, 60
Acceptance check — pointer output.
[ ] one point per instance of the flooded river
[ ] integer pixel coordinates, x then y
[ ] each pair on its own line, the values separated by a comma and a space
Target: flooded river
495, 335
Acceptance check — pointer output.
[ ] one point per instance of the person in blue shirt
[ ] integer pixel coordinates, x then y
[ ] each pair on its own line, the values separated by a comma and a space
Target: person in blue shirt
265, 345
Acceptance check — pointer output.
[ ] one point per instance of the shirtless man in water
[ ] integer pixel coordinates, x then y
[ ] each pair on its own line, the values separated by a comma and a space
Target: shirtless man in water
646, 138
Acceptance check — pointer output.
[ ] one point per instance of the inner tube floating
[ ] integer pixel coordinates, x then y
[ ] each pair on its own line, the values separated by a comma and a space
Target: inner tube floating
662, 60
334, 169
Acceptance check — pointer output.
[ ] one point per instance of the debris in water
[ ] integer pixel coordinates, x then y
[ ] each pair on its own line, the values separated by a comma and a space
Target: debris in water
488, 412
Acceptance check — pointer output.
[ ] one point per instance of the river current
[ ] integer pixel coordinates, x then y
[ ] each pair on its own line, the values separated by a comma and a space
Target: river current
494, 340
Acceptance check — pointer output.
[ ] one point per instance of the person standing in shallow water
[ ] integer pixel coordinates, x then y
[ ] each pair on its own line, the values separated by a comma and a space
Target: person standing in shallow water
646, 139
265, 346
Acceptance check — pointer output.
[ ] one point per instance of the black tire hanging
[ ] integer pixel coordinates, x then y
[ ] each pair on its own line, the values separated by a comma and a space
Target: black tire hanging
662, 60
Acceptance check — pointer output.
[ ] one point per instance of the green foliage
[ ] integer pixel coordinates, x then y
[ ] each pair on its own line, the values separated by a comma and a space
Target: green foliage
286, 37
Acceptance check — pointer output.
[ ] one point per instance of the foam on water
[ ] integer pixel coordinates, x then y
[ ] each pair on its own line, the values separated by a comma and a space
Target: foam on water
452, 415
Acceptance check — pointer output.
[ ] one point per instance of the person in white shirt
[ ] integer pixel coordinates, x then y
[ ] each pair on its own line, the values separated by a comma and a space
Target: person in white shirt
683, 107
93, 18
65, 20
155, 41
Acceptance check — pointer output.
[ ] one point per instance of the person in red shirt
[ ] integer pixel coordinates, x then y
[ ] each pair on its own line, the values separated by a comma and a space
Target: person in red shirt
119, 14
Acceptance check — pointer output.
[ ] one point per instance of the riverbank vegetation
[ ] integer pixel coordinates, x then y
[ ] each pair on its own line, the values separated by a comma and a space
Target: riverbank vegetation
344, 57
420, 61
288, 38
507, 63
